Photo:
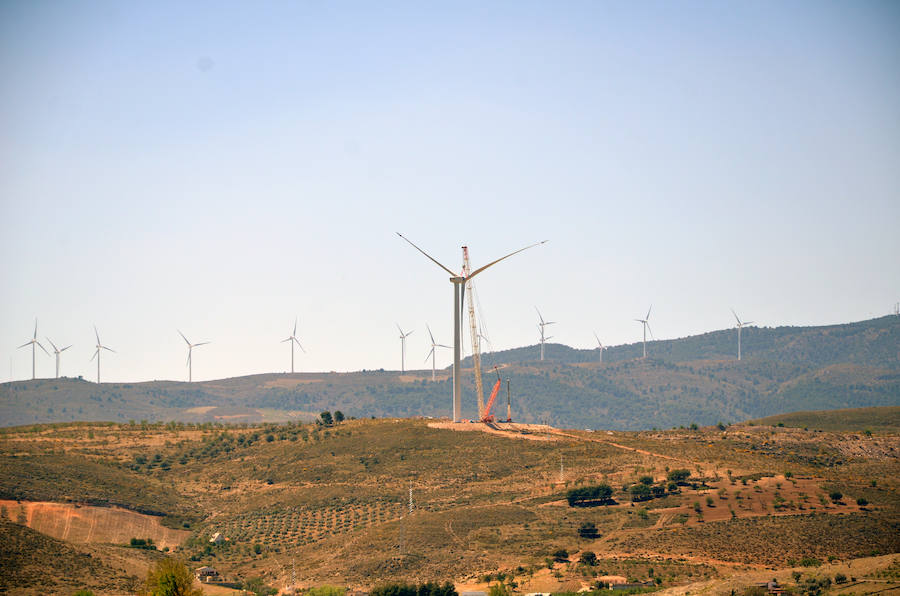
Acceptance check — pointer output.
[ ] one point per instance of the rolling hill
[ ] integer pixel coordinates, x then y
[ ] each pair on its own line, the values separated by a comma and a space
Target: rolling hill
684, 381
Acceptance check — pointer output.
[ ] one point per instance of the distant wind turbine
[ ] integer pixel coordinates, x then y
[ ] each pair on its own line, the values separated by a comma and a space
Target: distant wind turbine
32, 343
600, 346
96, 355
403, 337
57, 351
433, 353
740, 325
293, 339
646, 323
541, 325
190, 349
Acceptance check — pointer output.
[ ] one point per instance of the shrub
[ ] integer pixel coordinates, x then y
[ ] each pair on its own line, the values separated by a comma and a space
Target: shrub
840, 578
589, 558
586, 496
326, 590
170, 578
861, 502
836, 496
640, 492
678, 476
588, 530
561, 555
648, 480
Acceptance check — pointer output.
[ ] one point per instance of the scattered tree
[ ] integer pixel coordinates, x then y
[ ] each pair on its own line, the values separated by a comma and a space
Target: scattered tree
678, 476
325, 418
589, 558
338, 416
170, 577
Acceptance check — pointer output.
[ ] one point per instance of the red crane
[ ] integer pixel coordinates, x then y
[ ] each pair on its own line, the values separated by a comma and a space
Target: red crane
488, 417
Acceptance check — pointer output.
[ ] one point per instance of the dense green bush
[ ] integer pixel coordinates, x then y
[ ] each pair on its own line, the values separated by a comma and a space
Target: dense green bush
586, 496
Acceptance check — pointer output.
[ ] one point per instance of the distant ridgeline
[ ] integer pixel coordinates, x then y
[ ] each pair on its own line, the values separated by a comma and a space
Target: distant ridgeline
683, 381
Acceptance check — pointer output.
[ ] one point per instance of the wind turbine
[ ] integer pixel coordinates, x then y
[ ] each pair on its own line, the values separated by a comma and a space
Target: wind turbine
433, 352
190, 349
459, 282
403, 337
600, 346
32, 343
57, 351
740, 325
646, 323
96, 355
293, 339
543, 324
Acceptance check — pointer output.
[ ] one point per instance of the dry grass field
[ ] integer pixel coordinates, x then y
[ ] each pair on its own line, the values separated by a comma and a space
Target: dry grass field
335, 501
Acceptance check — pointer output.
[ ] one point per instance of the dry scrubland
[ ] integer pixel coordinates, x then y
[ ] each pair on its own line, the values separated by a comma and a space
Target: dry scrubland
335, 500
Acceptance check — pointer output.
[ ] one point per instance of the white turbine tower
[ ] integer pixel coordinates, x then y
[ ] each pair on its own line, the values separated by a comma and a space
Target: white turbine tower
293, 339
459, 283
403, 337
190, 349
541, 326
740, 325
433, 353
57, 351
32, 343
646, 323
600, 346
96, 355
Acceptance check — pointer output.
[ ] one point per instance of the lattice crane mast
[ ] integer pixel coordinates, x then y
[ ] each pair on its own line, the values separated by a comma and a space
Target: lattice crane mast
473, 329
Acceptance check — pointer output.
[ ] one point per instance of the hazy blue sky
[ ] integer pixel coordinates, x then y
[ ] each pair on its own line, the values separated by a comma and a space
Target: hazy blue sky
224, 167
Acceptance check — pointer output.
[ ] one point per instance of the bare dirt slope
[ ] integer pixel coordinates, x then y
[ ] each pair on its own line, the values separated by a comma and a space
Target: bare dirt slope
84, 524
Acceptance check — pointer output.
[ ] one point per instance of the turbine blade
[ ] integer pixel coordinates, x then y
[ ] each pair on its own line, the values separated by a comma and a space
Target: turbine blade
35, 329
747, 322
736, 317
410, 333
650, 330
480, 269
67, 347
648, 312
97, 333
548, 337
288, 339
598, 339
55, 349
295, 326
183, 337
435, 261
429, 333
550, 323
42, 347
188, 363
108, 349
429, 354
25, 344
95, 355
301, 347
539, 314
202, 343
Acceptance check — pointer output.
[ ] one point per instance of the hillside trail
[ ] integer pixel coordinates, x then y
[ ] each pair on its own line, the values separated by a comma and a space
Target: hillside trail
680, 460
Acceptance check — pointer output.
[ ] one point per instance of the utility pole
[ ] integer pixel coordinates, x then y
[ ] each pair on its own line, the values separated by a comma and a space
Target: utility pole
562, 473
508, 406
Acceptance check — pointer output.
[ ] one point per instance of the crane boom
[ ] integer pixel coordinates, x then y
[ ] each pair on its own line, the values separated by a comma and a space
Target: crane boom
487, 410
473, 329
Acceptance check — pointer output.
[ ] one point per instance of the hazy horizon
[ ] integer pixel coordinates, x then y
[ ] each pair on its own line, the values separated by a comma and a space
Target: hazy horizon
222, 168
